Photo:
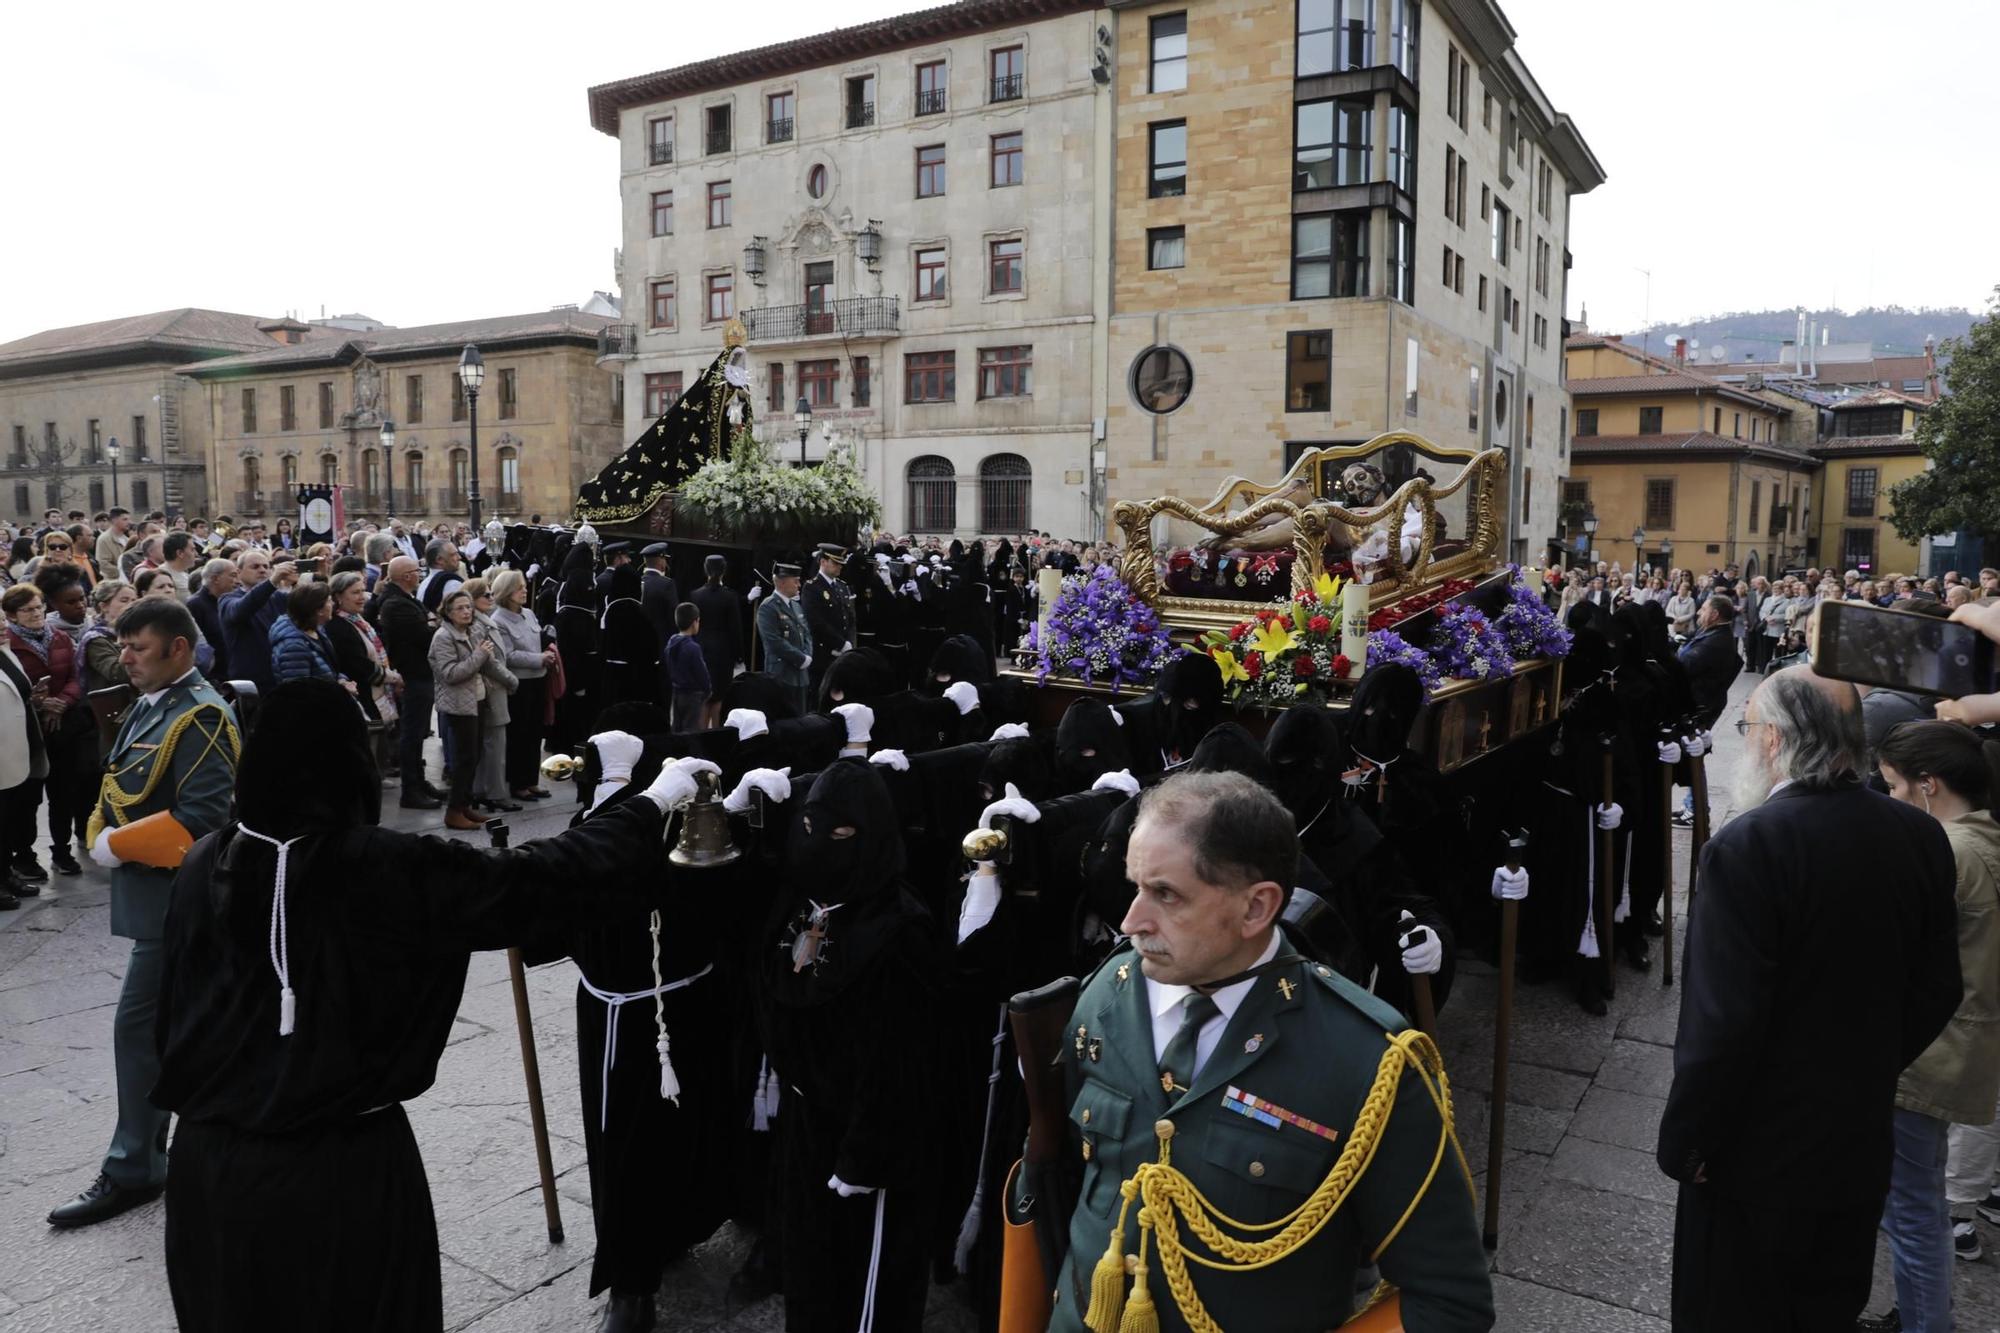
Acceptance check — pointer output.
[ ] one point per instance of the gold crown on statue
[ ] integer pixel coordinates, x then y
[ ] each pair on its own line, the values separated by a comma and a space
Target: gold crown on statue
733, 333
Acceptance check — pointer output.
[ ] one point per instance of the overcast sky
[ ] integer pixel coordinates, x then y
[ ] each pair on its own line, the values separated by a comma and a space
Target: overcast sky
422, 162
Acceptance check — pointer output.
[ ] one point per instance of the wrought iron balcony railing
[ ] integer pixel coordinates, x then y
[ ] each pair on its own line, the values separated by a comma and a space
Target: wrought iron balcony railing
1007, 87
778, 131
858, 316
860, 115
930, 101
617, 340
661, 153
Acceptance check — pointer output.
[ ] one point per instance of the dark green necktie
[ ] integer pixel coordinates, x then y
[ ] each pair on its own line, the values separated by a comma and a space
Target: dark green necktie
1177, 1062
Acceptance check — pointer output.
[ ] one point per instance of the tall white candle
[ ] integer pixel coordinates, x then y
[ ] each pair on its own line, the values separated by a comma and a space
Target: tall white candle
1354, 628
1048, 586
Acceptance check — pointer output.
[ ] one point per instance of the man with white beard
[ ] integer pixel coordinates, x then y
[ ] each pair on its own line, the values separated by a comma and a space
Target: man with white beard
1821, 959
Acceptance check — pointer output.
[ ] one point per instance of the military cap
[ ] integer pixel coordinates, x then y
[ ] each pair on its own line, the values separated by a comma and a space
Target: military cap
784, 571
656, 549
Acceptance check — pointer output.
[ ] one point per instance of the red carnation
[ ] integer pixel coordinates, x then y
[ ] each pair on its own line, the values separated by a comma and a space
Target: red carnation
1253, 665
1319, 625
1302, 665
1236, 632
1341, 666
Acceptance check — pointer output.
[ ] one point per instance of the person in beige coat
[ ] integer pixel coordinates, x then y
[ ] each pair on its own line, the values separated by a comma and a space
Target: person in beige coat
489, 788
1944, 769
462, 658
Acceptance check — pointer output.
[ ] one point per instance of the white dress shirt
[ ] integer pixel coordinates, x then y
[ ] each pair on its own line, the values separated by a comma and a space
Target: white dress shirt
1166, 1000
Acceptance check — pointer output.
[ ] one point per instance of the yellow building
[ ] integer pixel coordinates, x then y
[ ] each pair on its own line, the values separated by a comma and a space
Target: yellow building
313, 412
1871, 449
1678, 469
1331, 220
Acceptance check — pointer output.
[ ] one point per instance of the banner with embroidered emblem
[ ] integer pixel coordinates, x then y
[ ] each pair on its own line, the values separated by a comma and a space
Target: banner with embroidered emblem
1270, 1113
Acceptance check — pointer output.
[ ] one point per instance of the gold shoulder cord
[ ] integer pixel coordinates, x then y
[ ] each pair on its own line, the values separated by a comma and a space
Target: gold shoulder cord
1165, 1195
113, 795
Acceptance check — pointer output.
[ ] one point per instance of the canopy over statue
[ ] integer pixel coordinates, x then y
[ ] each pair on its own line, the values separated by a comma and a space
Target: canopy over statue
694, 430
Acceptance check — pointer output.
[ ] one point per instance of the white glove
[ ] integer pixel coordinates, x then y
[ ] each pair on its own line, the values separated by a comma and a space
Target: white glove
909, 587
1510, 885
963, 693
1670, 752
775, 783
1424, 957
860, 720
1009, 731
1013, 805
1696, 744
1610, 816
808, 662
847, 647
1118, 780
847, 1191
747, 722
895, 759
982, 897
756, 591
100, 851
675, 785
617, 755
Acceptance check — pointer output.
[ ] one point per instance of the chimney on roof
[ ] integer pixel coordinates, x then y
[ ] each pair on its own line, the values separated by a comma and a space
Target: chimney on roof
288, 331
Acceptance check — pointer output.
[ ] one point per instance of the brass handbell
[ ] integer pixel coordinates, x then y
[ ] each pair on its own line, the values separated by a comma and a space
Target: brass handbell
561, 767
704, 840
988, 844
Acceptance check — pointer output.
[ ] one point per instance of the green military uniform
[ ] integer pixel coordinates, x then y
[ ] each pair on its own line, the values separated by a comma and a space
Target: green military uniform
1268, 1115
787, 645
175, 753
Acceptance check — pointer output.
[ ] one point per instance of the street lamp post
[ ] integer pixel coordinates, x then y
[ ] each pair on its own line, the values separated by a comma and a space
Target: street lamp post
1667, 553
389, 467
1638, 548
803, 419
1590, 531
111, 452
472, 372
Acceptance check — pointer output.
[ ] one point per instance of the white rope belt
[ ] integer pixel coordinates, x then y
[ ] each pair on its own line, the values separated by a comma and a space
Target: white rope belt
614, 1002
281, 944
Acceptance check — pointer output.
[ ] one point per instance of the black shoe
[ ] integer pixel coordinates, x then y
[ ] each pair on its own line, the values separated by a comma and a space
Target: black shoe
1891, 1322
416, 800
29, 869
105, 1198
1590, 996
8, 902
435, 793
627, 1314
20, 888
1632, 945
502, 807
1652, 925
64, 860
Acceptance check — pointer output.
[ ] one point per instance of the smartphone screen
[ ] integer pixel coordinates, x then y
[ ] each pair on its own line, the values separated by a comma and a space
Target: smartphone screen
1901, 650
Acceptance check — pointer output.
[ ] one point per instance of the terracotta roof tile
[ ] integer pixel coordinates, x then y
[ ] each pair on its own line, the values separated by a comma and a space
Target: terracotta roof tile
341, 345
1868, 444
1880, 398
1680, 442
190, 328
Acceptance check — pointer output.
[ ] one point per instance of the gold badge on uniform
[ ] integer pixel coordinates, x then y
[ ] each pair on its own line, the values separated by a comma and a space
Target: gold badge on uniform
1285, 987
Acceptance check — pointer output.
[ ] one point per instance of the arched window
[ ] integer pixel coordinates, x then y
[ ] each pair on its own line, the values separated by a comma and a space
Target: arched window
1004, 482
461, 471
329, 469
371, 476
289, 469
508, 462
933, 494
413, 479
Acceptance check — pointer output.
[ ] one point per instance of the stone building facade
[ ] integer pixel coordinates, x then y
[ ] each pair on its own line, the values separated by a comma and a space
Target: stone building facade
1346, 217
903, 215
549, 418
67, 394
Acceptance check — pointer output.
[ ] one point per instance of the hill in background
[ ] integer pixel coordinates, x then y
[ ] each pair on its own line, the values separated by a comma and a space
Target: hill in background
1758, 334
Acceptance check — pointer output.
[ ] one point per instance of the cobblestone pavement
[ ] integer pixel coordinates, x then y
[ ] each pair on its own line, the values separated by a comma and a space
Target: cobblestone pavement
1586, 1218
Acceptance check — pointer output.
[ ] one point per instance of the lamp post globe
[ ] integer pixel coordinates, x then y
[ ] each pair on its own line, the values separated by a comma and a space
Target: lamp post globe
472, 373
802, 417
389, 467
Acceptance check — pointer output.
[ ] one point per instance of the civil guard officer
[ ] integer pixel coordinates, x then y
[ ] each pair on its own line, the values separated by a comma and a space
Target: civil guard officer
829, 604
1223, 1082
176, 751
785, 638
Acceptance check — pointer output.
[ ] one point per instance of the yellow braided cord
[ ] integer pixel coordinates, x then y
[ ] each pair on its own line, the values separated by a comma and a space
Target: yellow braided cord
112, 796
1167, 1194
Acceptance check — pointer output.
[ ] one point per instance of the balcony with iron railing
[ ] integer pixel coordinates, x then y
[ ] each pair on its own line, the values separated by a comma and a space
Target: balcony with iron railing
249, 502
930, 101
855, 317
778, 131
1008, 87
503, 502
718, 141
615, 340
452, 500
412, 501
284, 500
660, 154
366, 502
860, 115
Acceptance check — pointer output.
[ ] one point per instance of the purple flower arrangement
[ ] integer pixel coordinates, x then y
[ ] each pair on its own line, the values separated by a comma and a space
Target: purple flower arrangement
1100, 631
1385, 645
1527, 626
1466, 646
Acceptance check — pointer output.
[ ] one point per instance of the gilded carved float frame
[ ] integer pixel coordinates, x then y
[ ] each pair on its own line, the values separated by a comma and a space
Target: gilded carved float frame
1139, 563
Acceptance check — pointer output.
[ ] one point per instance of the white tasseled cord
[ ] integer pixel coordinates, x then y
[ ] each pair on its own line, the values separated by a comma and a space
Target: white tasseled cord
670, 1083
281, 945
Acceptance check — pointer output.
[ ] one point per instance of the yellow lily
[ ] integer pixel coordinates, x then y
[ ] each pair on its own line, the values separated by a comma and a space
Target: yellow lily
1228, 663
1272, 638
1327, 588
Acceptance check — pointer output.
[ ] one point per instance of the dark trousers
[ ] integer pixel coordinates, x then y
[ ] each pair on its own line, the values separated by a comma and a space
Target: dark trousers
462, 739
524, 733
419, 697
1760, 652
689, 705
138, 1156
19, 807
1752, 1268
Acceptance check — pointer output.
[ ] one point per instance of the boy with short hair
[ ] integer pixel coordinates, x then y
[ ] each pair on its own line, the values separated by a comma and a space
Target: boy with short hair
687, 669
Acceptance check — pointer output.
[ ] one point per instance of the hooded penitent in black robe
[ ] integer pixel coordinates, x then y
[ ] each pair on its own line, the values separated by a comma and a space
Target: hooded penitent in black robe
297, 1198
1371, 886
628, 650
645, 1149
575, 625
1090, 742
850, 1025
1163, 728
